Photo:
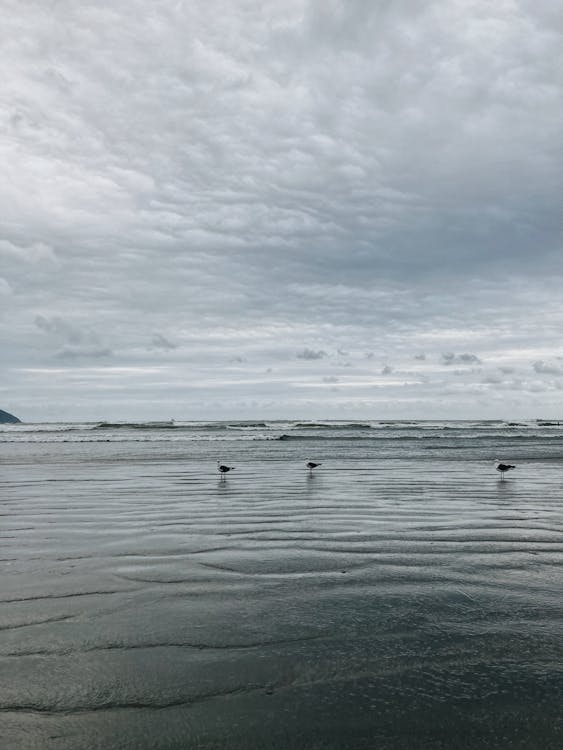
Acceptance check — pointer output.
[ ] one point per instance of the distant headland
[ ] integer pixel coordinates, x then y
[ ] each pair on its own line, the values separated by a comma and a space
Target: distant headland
6, 418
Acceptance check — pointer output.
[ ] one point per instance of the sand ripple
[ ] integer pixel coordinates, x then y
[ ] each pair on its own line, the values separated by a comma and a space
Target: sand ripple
151, 604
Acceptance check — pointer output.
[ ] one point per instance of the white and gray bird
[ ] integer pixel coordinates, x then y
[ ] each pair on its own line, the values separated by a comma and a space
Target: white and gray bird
312, 465
222, 469
502, 467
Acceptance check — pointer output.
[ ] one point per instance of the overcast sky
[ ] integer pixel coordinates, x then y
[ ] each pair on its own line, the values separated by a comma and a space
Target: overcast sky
257, 208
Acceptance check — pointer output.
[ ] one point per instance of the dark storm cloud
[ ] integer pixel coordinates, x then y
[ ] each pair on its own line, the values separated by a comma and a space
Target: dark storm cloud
370, 177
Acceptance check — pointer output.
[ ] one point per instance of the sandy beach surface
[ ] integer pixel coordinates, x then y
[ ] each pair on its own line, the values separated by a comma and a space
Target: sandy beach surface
401, 597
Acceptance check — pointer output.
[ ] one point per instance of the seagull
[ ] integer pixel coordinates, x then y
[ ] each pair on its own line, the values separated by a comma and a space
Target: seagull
311, 465
503, 467
222, 469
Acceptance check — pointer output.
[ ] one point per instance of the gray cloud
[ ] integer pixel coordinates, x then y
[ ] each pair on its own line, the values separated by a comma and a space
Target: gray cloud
161, 342
311, 354
83, 352
546, 368
493, 378
370, 177
35, 252
63, 329
449, 358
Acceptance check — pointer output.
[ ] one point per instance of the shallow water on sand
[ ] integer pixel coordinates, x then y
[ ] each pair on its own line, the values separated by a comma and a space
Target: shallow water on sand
401, 599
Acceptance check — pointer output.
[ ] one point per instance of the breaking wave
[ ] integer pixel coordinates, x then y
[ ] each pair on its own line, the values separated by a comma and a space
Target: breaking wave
135, 426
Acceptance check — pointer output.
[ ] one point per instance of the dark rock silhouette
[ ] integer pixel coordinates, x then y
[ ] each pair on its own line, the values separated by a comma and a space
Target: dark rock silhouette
6, 418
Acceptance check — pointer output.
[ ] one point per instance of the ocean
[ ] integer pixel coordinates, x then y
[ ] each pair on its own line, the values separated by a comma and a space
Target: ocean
402, 596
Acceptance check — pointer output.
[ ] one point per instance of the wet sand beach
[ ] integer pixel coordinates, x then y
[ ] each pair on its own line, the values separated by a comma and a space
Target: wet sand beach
400, 597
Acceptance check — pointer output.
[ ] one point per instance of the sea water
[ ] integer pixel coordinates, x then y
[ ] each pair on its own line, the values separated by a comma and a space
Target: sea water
401, 596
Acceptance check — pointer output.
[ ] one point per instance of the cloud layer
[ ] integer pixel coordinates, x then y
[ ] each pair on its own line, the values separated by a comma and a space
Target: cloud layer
282, 209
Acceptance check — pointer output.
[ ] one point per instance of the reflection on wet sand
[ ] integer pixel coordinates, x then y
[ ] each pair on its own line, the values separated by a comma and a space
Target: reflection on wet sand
398, 604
